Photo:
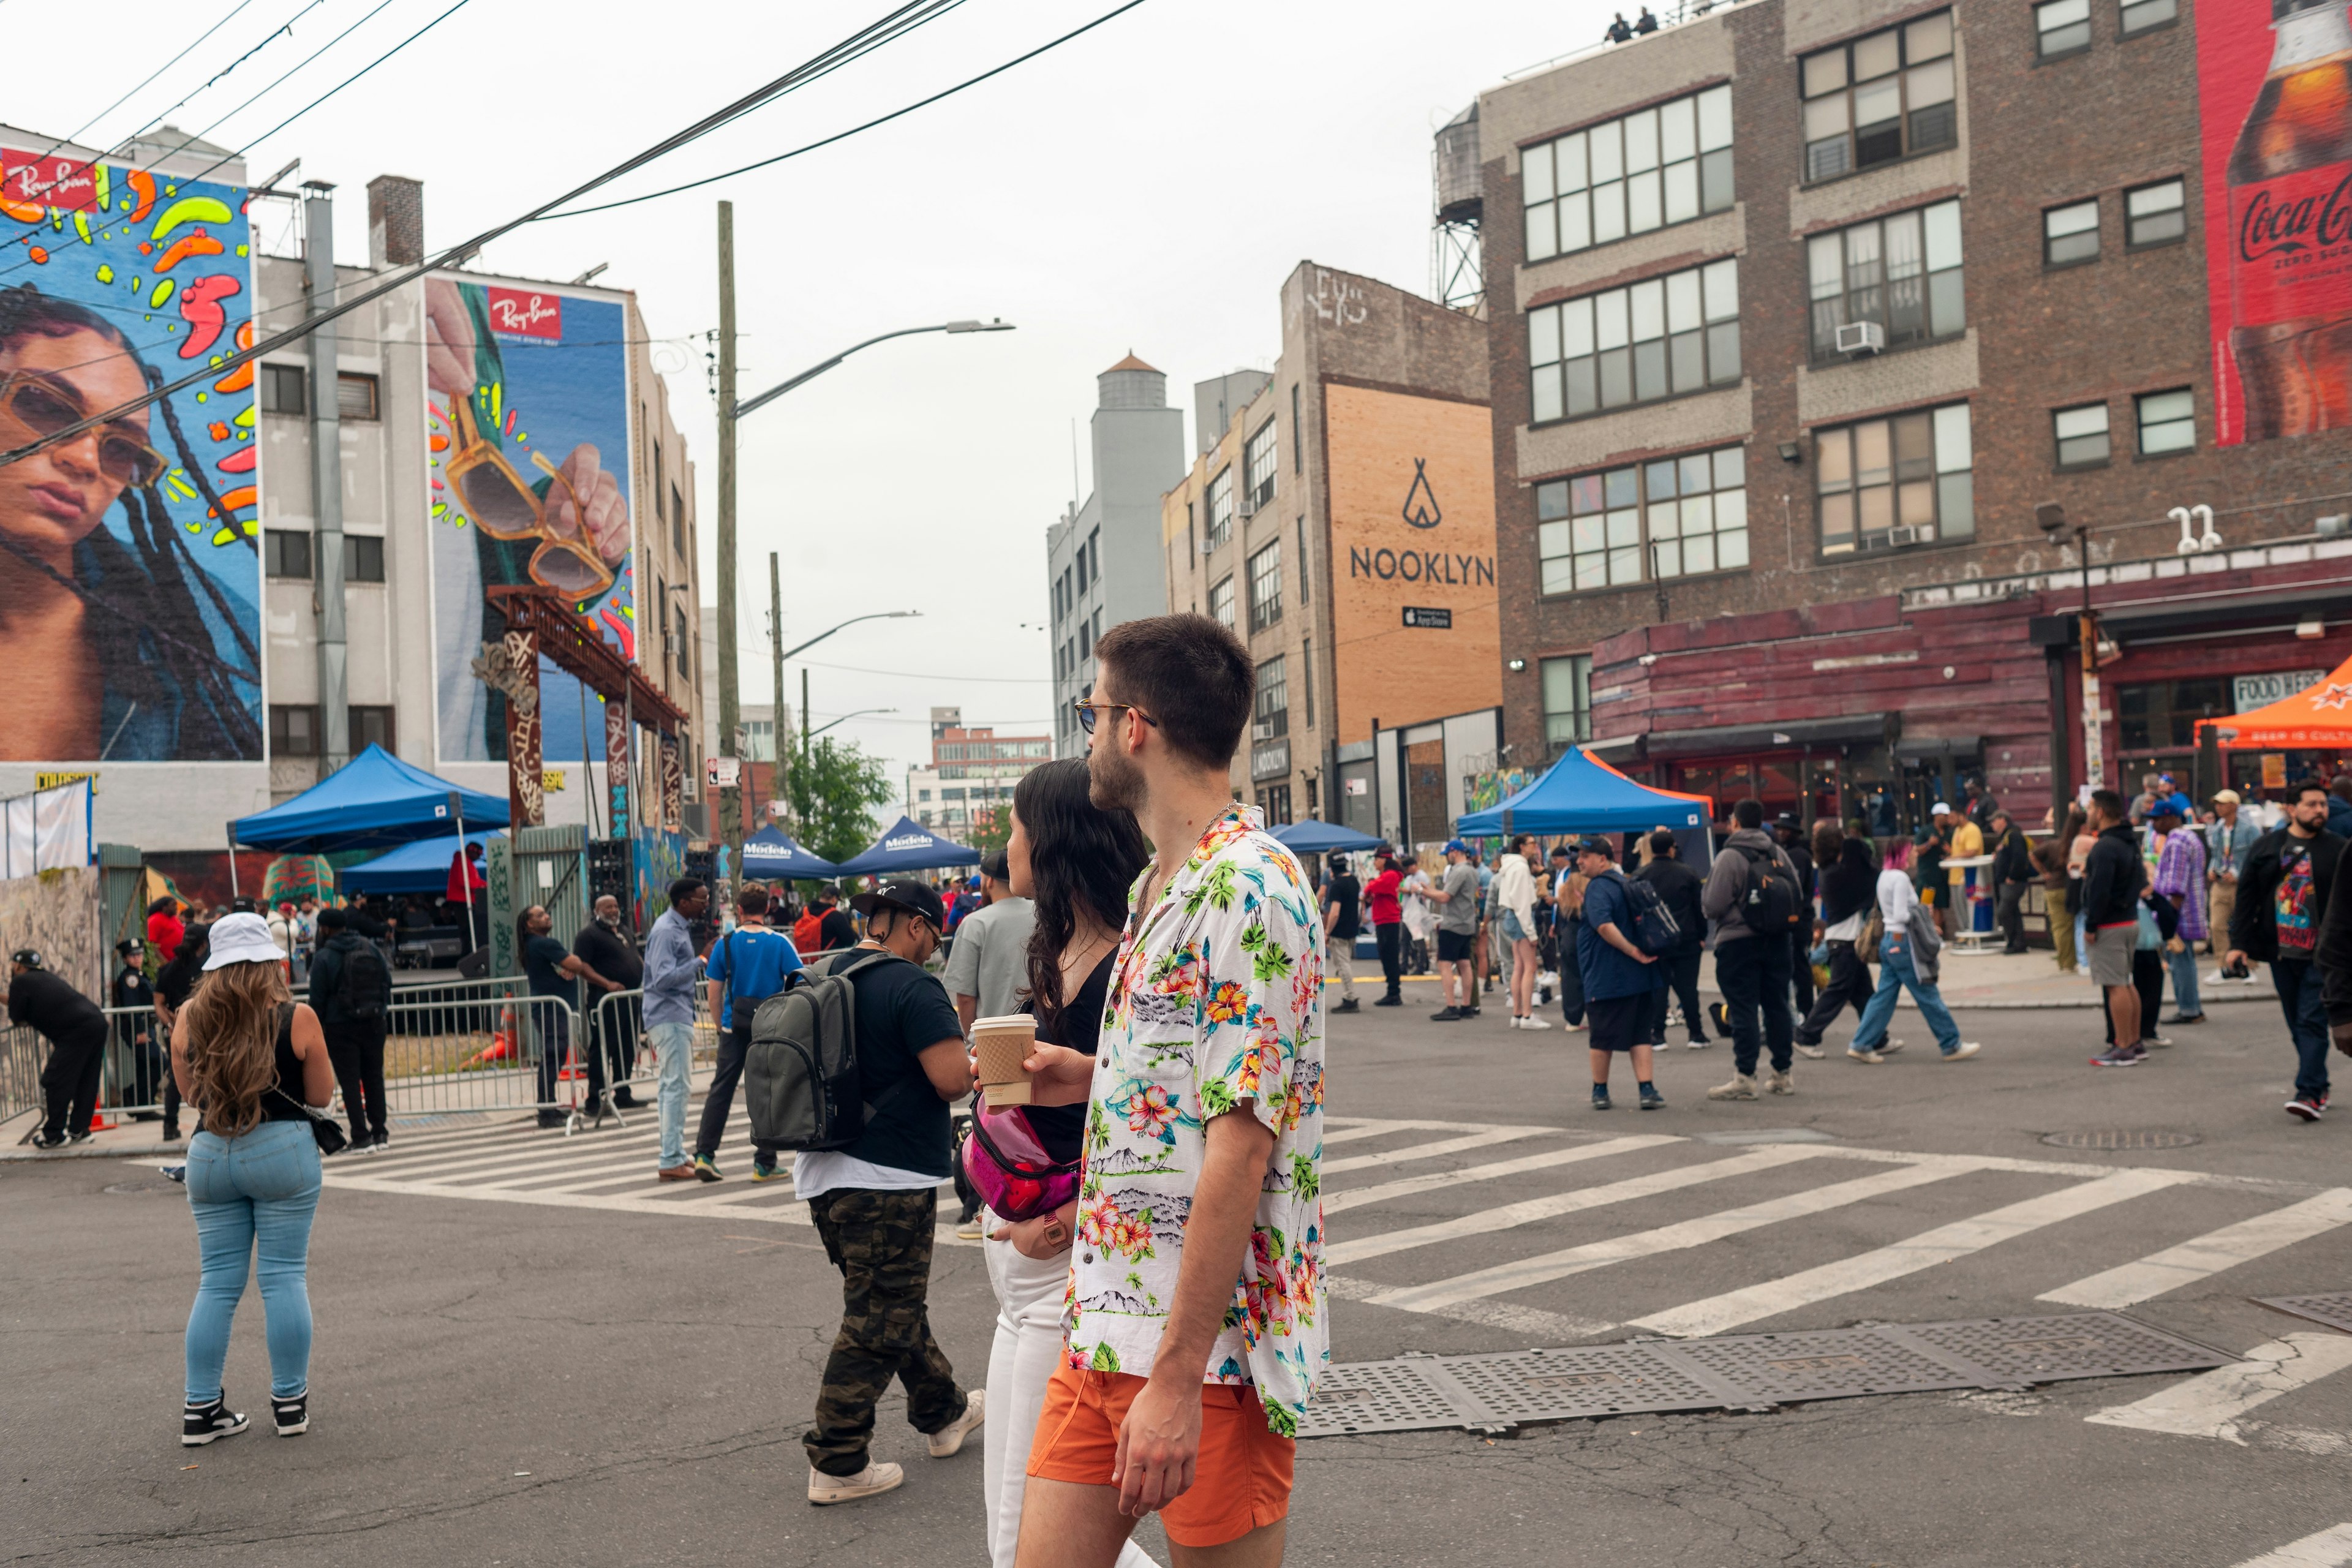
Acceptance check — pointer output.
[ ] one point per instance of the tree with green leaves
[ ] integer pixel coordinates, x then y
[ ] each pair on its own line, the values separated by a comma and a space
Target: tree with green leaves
991, 829
832, 791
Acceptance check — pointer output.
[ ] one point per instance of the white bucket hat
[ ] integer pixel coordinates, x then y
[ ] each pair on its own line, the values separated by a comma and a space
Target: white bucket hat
242, 939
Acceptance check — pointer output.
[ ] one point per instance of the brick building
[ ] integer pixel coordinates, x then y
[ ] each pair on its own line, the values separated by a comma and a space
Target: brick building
1339, 514
1799, 312
969, 784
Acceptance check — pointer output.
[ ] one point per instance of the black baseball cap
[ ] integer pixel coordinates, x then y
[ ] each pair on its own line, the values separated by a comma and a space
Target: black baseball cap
915, 898
997, 867
1590, 846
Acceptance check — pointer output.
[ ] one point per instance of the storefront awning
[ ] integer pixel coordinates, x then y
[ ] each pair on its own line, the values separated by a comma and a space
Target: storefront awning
1790, 735
2319, 716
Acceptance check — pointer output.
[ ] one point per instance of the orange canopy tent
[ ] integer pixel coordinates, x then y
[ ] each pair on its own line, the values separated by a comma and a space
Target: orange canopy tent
2319, 717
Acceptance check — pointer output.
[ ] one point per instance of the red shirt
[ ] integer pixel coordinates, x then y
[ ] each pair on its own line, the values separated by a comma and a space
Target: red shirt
464, 870
1380, 898
164, 931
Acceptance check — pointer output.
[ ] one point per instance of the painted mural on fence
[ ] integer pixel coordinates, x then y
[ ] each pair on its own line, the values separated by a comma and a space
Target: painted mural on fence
2275, 99
527, 405
130, 557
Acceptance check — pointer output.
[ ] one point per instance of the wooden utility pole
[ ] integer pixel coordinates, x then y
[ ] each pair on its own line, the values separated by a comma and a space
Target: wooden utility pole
776, 712
730, 800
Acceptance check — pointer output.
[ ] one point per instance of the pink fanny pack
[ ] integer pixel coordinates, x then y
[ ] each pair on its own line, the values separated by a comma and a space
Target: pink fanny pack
1010, 1169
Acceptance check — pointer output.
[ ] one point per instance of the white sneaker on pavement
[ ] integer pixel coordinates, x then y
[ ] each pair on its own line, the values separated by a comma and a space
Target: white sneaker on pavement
1962, 1051
1532, 1022
1873, 1057
1813, 1051
872, 1481
1781, 1083
1890, 1048
949, 1438
1742, 1087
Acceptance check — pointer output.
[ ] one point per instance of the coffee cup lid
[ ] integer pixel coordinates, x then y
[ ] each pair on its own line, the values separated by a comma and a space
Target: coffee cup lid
1021, 1021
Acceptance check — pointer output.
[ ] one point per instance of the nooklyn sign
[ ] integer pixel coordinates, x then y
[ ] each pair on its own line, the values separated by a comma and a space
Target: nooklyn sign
1420, 510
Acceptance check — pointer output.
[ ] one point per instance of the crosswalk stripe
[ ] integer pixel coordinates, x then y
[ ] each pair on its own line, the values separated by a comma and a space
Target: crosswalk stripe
1944, 1243
2208, 1254
2209, 1404
1369, 1128
1507, 1216
1677, 1238
1431, 1150
544, 1151
1530, 1323
795, 1213
2330, 1548
1356, 1197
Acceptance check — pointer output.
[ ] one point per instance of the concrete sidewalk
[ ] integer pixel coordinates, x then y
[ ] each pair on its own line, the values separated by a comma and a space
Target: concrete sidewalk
2029, 980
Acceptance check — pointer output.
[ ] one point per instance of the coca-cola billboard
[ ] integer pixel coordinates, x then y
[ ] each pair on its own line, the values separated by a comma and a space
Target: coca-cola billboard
2275, 81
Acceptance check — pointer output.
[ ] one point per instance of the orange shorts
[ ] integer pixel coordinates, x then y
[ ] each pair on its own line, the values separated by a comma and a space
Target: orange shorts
1240, 1481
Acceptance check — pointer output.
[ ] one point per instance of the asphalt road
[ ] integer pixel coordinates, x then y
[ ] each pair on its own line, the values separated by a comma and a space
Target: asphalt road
545, 1379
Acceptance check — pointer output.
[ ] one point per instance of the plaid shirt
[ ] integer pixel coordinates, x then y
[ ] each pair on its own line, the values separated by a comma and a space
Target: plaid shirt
2180, 877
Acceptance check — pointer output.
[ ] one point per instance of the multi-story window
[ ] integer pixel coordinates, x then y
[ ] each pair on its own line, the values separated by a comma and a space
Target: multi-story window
362, 558
1220, 602
1259, 455
1081, 565
285, 553
1880, 98
355, 397
284, 389
1671, 517
2139, 15
370, 727
1659, 338
2081, 433
1901, 272
1889, 483
1298, 442
293, 730
677, 522
2062, 27
1567, 701
1221, 508
2070, 234
1086, 640
1094, 554
2167, 421
1265, 587
1272, 715
1306, 570
2155, 215
1661, 165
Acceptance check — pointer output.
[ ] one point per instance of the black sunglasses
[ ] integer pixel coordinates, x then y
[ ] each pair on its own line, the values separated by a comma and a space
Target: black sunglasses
1087, 707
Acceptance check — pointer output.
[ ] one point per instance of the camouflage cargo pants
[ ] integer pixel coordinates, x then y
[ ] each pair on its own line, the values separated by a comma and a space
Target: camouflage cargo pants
881, 1242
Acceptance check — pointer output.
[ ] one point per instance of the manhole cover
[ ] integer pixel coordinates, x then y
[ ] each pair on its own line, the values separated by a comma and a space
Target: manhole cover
2121, 1138
160, 1186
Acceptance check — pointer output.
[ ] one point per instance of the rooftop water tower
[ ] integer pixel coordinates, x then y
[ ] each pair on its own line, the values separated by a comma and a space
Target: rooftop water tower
1456, 274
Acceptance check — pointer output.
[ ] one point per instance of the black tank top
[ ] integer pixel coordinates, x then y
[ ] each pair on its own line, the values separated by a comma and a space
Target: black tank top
286, 1103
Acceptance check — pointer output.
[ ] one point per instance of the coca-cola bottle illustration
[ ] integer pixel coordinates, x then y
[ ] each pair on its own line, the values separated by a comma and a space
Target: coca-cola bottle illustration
2291, 230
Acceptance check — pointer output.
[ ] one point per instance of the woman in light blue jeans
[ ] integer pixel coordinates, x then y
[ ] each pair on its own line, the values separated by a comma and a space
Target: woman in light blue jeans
1896, 900
252, 1062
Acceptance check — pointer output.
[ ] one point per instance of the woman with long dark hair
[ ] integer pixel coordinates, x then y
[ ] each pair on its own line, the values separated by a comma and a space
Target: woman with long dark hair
250, 1059
1078, 863
119, 648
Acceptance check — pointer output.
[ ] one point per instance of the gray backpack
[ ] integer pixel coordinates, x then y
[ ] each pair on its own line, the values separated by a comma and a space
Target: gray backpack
801, 1084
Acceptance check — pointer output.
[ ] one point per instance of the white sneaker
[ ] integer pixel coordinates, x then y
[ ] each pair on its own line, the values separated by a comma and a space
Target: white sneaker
949, 1438
1781, 1083
1742, 1087
1815, 1052
872, 1481
1532, 1022
1963, 1051
1873, 1057
1890, 1048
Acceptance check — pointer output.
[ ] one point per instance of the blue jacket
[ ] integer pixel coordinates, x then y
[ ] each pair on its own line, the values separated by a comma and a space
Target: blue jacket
669, 970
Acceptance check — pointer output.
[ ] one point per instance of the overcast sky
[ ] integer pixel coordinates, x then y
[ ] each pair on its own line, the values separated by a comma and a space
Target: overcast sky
1147, 186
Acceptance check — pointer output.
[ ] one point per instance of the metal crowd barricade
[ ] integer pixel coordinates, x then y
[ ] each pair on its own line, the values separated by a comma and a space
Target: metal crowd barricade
22, 1055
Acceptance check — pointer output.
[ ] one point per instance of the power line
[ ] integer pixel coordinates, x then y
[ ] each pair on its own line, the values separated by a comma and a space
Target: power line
893, 25
159, 70
884, 120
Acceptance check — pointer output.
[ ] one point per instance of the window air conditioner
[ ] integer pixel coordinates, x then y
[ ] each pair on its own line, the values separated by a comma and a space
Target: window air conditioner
1903, 535
1860, 337
1249, 504
1262, 730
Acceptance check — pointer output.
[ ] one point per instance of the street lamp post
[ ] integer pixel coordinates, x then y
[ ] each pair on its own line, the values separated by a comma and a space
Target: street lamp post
729, 411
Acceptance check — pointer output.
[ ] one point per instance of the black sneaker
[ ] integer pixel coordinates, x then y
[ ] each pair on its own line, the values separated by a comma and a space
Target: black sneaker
293, 1416
1347, 1005
1471, 1011
381, 1140
49, 1140
2307, 1106
1448, 1016
1651, 1098
1601, 1099
200, 1423
1390, 1002
623, 1099
552, 1119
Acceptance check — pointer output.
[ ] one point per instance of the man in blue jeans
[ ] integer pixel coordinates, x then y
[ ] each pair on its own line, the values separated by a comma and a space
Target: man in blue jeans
670, 1017
2284, 900
746, 967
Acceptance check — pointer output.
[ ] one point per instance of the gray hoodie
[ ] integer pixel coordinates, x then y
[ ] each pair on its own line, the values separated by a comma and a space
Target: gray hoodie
1726, 898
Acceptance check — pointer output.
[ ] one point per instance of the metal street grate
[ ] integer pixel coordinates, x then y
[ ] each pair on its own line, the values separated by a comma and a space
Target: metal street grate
1755, 1372
2335, 1309
2113, 1138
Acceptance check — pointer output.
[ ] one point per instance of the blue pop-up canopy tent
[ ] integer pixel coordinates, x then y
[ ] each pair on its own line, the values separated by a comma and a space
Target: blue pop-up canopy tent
909, 846
771, 853
375, 802
1582, 794
1313, 837
419, 867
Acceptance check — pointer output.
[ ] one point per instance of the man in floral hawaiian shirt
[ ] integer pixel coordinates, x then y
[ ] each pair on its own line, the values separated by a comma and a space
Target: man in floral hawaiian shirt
1195, 1325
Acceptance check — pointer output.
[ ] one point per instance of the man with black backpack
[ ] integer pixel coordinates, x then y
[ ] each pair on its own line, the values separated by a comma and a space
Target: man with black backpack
1619, 976
350, 990
1756, 901
1679, 889
870, 1170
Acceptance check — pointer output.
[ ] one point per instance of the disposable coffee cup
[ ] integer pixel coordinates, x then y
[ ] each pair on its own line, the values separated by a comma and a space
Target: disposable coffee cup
999, 1046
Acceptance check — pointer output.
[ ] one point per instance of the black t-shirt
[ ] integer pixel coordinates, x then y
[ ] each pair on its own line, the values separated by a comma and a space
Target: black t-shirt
837, 931
1062, 1128
902, 1011
52, 1007
1343, 891
610, 954
542, 959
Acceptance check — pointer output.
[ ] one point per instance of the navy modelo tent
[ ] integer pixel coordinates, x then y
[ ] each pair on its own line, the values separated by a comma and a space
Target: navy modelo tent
907, 847
1313, 837
769, 853
1582, 794
419, 867
375, 802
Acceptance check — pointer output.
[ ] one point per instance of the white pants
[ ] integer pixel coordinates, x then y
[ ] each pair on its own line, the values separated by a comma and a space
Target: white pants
1339, 963
1028, 1348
